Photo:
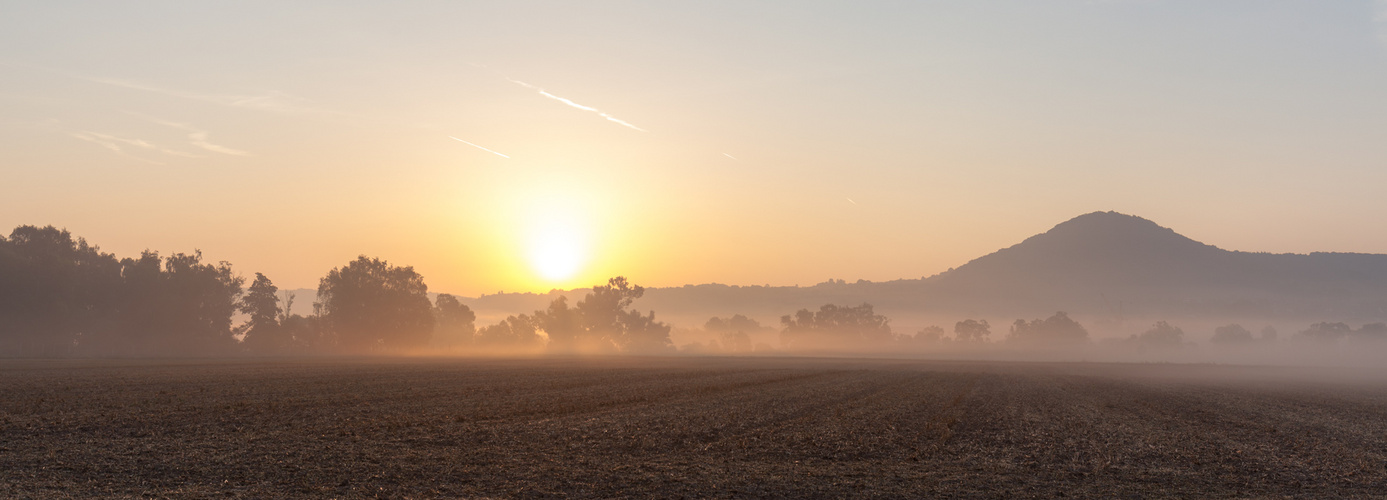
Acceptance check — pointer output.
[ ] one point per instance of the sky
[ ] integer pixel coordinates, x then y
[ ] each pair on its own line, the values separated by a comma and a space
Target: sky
524, 146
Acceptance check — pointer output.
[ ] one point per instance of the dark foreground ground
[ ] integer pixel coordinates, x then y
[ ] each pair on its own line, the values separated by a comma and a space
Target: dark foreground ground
671, 427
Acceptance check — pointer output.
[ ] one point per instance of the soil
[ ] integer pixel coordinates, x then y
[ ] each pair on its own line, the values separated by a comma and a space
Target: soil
683, 427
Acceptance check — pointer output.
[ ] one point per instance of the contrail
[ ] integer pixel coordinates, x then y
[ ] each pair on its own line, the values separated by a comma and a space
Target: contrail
852, 202
568, 102
478, 147
730, 156
609, 118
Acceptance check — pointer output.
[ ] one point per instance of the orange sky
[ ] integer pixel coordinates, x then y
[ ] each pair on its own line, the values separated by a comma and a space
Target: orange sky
775, 143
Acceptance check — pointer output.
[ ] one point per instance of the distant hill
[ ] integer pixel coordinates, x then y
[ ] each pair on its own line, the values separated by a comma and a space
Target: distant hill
1110, 260
1102, 267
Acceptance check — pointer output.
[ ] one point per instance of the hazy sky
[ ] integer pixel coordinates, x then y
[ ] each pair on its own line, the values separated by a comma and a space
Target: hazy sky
492, 144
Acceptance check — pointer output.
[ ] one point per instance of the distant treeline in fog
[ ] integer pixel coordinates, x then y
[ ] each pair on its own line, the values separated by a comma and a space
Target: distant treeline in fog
60, 296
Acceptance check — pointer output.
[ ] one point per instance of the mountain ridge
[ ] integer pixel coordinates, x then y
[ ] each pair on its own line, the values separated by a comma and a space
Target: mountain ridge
1100, 265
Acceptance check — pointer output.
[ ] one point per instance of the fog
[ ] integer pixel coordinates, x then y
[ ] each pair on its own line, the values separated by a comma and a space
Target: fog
1043, 300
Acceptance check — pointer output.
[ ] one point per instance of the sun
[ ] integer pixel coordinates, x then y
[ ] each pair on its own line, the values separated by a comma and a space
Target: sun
557, 248
553, 229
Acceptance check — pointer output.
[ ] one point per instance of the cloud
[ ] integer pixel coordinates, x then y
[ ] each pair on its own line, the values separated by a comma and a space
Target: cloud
112, 142
730, 156
570, 103
196, 137
118, 144
199, 139
478, 147
267, 101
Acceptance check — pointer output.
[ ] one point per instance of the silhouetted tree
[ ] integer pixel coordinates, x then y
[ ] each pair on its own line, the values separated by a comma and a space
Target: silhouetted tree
306, 334
932, 334
183, 308
970, 330
1161, 335
733, 332
834, 326
601, 311
736, 323
1055, 329
642, 334
454, 322
288, 306
512, 332
1231, 334
263, 332
1326, 332
562, 324
602, 322
57, 294
735, 341
370, 305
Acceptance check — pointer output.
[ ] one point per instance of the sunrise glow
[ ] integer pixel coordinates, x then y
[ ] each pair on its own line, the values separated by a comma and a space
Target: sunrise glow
556, 248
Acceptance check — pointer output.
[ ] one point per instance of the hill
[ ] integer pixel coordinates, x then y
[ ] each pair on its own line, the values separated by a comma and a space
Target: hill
1106, 267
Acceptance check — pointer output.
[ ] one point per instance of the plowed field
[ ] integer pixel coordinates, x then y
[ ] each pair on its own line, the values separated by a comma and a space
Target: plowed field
693, 427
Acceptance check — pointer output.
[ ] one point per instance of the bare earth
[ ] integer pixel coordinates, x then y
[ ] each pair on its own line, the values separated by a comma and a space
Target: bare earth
691, 427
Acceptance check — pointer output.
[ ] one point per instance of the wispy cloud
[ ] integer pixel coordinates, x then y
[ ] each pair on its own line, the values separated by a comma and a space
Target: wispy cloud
199, 139
118, 145
196, 137
570, 103
266, 101
478, 147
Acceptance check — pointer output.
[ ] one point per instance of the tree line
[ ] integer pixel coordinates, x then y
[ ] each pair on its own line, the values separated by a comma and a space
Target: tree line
60, 296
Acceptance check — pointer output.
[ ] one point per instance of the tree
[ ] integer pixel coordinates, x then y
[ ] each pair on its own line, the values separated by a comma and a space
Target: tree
734, 332
834, 326
1055, 329
454, 322
61, 296
601, 312
601, 322
372, 306
970, 330
182, 307
932, 334
1326, 331
562, 324
57, 294
200, 300
642, 334
263, 332
1231, 334
306, 333
512, 332
1160, 335
735, 341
